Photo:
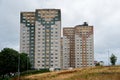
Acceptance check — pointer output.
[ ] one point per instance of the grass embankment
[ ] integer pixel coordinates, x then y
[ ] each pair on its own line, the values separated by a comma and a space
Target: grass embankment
94, 73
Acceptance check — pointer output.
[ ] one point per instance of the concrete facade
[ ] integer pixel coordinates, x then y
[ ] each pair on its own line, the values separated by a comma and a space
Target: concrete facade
27, 32
78, 46
41, 40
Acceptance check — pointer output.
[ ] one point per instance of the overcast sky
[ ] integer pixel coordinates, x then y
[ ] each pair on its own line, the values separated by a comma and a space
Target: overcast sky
104, 15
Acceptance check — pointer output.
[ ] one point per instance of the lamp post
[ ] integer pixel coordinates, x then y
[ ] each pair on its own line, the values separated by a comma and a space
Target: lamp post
19, 67
27, 64
108, 57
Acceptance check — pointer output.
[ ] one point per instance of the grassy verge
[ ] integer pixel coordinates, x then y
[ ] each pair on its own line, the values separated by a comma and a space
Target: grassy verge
30, 72
90, 73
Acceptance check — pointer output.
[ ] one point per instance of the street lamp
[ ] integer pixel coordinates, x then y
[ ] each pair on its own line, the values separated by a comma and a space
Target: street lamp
108, 57
19, 67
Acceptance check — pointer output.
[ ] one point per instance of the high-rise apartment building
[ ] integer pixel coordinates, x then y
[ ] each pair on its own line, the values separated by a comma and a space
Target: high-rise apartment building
68, 47
27, 35
40, 35
78, 46
47, 41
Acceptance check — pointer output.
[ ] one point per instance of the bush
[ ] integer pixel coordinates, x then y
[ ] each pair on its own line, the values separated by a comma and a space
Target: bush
29, 72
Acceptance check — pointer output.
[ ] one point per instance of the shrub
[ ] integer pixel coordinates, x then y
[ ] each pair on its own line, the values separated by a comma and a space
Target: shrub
34, 72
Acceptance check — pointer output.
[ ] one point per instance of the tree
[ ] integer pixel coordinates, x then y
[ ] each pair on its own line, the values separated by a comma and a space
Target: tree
113, 59
97, 64
10, 59
24, 62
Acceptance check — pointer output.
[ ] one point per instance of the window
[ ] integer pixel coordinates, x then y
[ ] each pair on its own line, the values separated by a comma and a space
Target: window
38, 28
32, 31
56, 18
51, 65
56, 42
43, 28
56, 65
51, 28
28, 24
32, 37
24, 17
32, 24
24, 21
38, 57
23, 41
56, 32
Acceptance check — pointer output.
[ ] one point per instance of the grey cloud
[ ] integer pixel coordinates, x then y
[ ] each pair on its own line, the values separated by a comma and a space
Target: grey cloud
102, 14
